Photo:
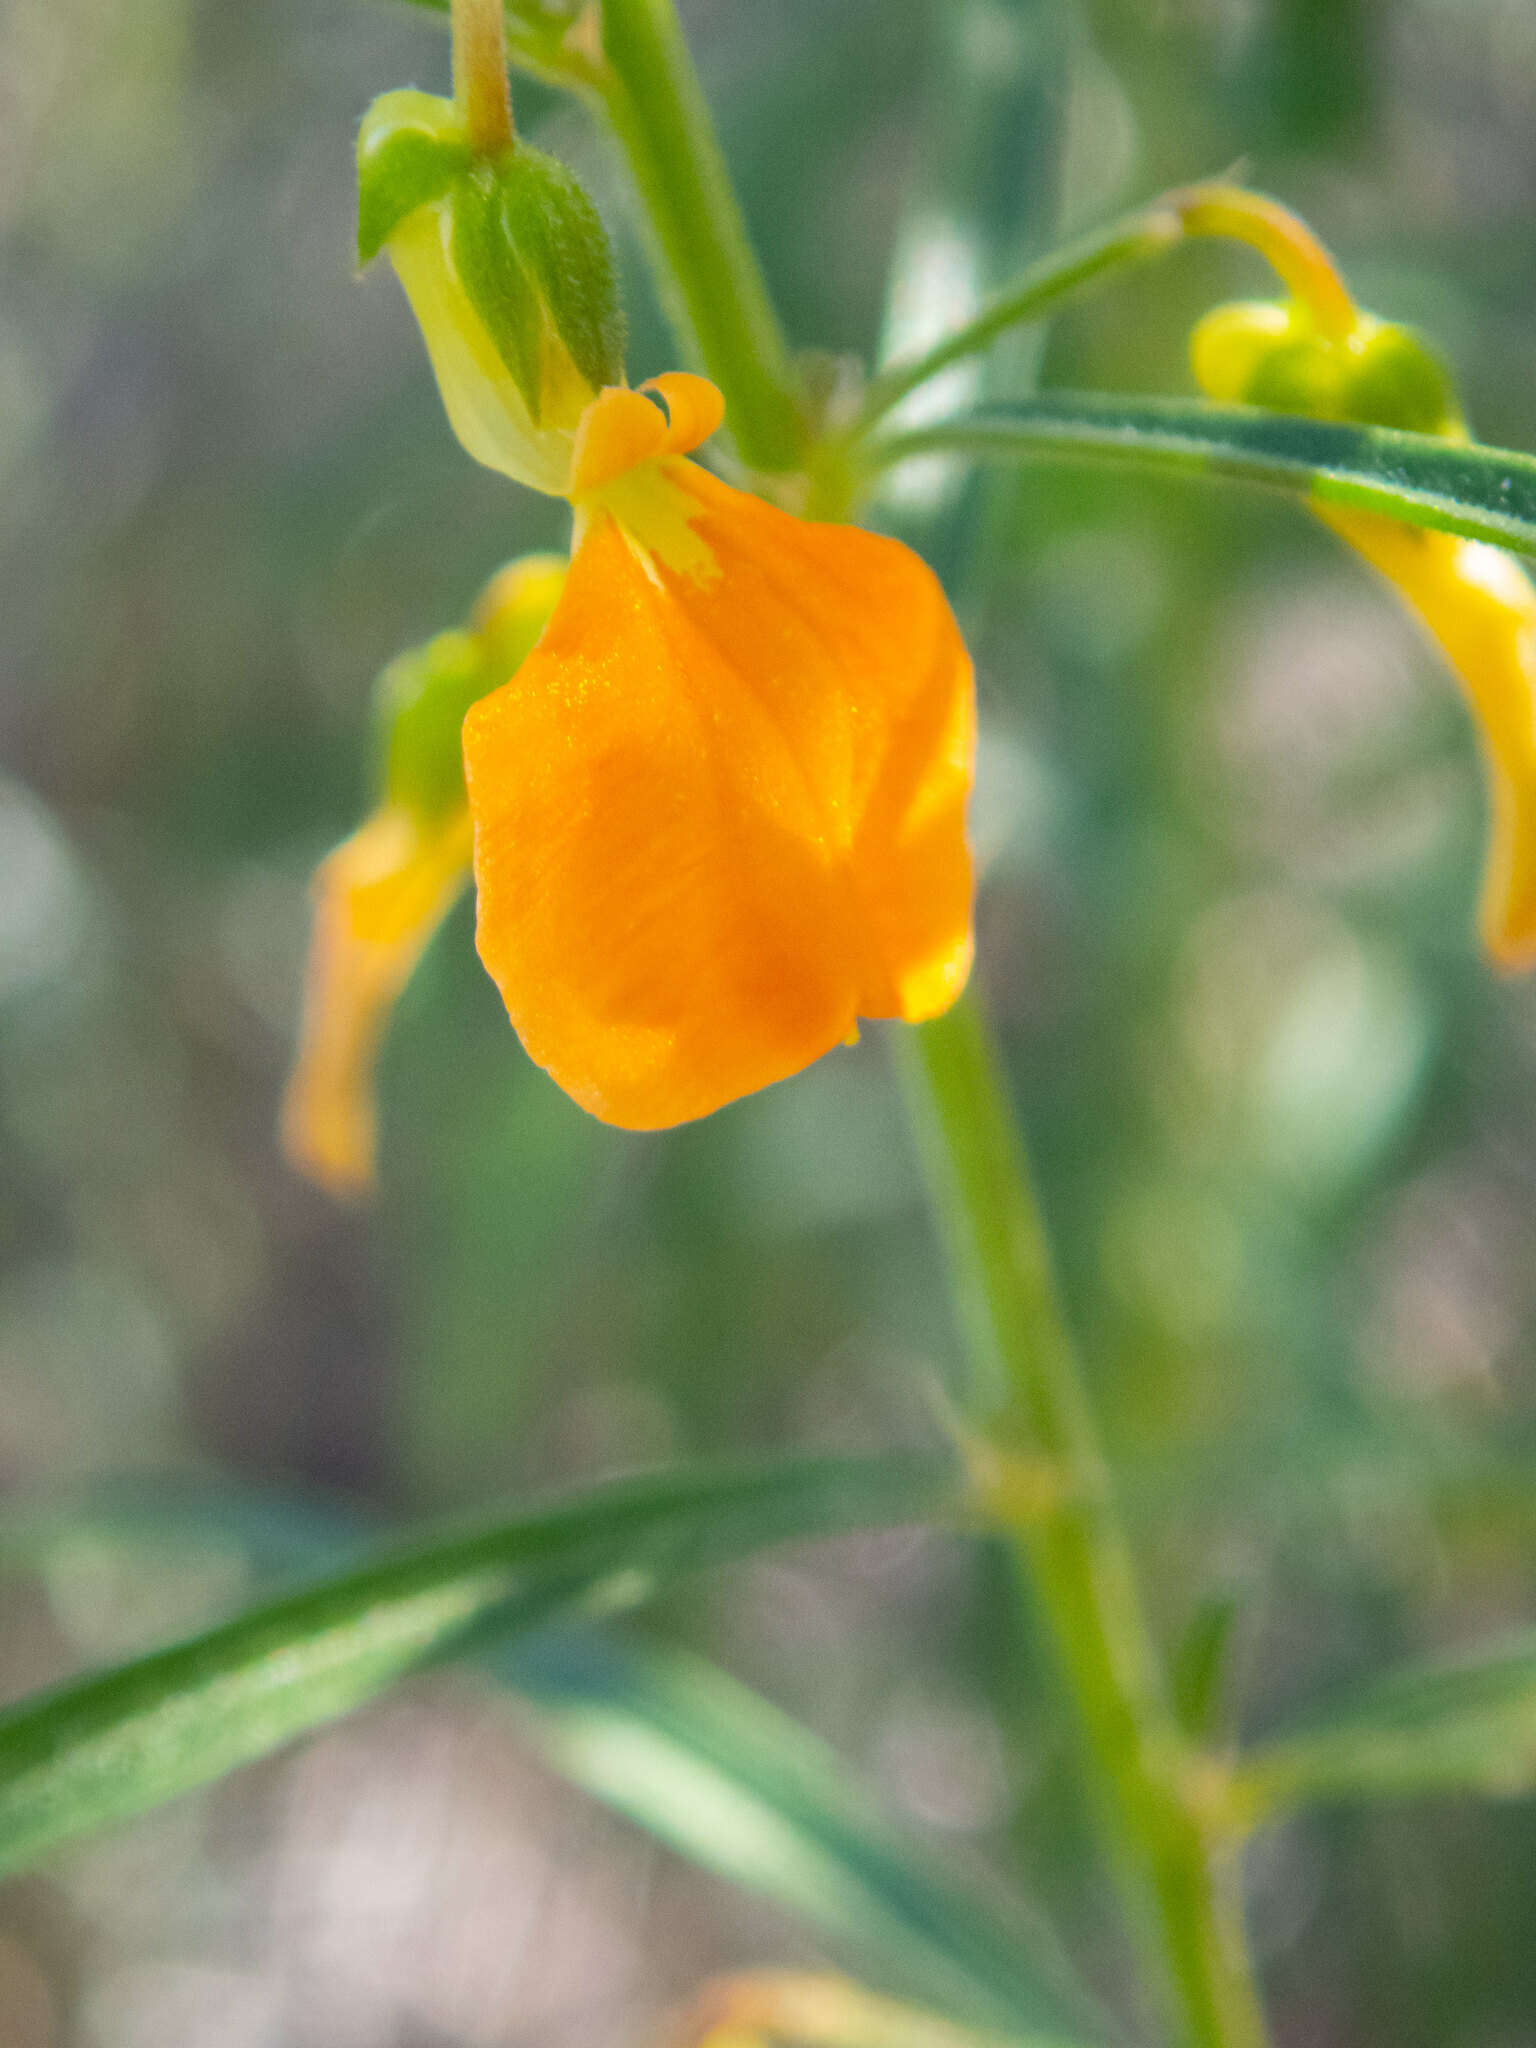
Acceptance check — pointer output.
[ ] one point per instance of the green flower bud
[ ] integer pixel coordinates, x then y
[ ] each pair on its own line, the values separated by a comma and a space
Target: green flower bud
1376, 375
420, 699
1231, 342
419, 702
1397, 380
510, 276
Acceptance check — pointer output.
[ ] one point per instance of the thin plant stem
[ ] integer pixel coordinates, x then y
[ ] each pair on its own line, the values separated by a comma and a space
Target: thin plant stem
480, 73
1286, 242
1041, 1467
1039, 291
656, 106
1040, 1471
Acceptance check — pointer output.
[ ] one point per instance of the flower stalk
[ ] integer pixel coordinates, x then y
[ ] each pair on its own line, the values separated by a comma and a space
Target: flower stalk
719, 300
480, 84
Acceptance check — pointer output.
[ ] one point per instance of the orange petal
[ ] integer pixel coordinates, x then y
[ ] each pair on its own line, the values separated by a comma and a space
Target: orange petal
716, 820
379, 898
695, 408
621, 428
1480, 606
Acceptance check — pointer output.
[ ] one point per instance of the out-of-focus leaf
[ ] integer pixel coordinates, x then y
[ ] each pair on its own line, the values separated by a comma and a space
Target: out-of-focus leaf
116, 1743
737, 1786
1201, 1664
1485, 493
1467, 1725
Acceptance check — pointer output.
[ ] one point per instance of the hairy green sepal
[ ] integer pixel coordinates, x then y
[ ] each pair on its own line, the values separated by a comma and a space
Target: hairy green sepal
496, 282
532, 255
411, 150
564, 247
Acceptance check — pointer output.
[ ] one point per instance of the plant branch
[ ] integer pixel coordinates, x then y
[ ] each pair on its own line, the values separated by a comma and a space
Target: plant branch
1041, 288
1041, 1468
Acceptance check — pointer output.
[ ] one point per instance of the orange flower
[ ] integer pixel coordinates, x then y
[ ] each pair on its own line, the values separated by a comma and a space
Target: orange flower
378, 899
719, 812
382, 893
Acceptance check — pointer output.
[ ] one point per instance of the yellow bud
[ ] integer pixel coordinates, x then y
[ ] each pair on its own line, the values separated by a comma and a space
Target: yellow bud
1231, 342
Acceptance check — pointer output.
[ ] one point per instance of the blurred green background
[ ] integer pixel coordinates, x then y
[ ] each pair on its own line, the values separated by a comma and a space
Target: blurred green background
1283, 1116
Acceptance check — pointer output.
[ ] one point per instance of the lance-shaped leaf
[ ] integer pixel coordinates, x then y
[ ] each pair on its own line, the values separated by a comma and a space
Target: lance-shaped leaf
1462, 1725
1485, 493
735, 1785
121, 1741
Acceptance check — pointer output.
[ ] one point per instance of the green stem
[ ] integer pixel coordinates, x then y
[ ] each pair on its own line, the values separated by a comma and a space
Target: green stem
1041, 1463
480, 73
658, 112
1043, 286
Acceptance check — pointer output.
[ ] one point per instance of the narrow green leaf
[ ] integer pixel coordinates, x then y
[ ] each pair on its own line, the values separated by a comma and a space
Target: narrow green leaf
735, 1785
1467, 1725
1485, 493
114, 1744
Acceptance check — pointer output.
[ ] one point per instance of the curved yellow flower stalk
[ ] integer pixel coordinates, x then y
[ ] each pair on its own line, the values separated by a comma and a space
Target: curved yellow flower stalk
720, 810
1321, 356
384, 891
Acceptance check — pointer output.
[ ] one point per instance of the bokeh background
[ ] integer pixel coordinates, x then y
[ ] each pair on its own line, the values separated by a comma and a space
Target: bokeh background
1284, 1119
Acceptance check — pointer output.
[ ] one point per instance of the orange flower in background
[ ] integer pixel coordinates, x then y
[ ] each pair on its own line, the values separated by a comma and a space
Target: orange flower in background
1479, 605
378, 899
382, 893
719, 812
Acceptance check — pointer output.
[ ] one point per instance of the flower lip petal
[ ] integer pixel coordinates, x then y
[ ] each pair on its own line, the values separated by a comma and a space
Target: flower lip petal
621, 428
695, 408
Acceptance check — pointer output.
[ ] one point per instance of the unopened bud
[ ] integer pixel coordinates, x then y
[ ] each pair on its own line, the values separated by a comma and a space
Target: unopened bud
1273, 355
420, 699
